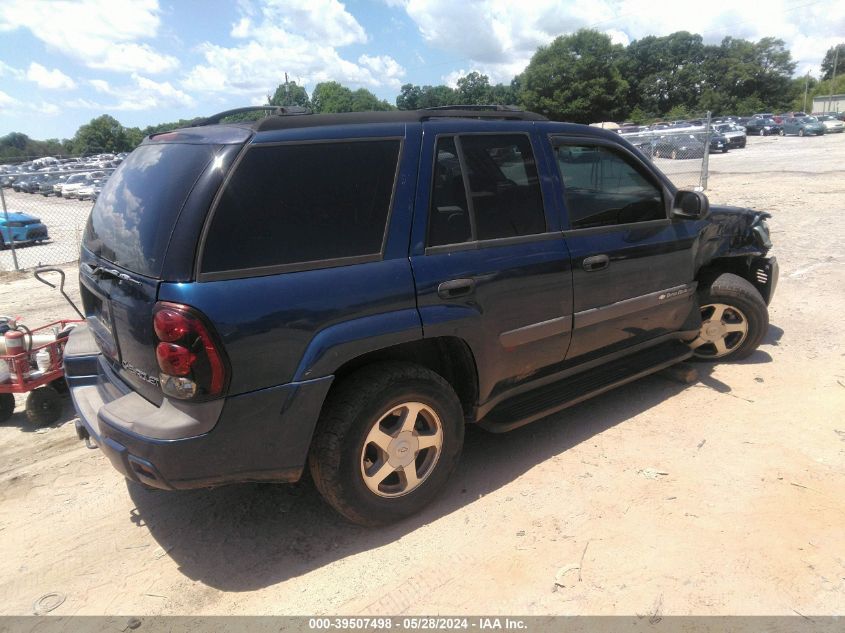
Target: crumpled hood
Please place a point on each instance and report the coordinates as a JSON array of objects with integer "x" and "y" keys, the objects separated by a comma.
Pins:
[{"x": 730, "y": 232}]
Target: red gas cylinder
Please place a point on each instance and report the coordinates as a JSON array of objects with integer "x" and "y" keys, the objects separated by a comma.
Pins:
[{"x": 15, "y": 345}]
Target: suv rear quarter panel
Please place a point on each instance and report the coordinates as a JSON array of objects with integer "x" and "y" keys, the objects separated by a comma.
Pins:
[{"x": 301, "y": 325}]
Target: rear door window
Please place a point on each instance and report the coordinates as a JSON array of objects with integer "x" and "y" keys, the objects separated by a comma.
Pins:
[
  {"x": 500, "y": 174},
  {"x": 303, "y": 205}
]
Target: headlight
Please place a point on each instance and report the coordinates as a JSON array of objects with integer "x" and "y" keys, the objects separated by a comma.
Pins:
[{"x": 761, "y": 234}]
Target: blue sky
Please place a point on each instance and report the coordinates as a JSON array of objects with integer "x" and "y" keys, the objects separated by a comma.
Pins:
[{"x": 64, "y": 62}]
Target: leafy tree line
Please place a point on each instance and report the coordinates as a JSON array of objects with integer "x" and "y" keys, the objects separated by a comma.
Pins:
[{"x": 582, "y": 77}]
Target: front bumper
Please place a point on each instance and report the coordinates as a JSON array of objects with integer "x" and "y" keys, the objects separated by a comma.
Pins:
[
  {"x": 764, "y": 275},
  {"x": 258, "y": 436}
]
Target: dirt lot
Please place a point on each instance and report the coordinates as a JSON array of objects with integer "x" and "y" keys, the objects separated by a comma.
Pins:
[{"x": 725, "y": 496}]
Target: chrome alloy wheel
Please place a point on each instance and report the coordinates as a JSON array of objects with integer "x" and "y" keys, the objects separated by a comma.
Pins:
[
  {"x": 723, "y": 329},
  {"x": 401, "y": 449}
]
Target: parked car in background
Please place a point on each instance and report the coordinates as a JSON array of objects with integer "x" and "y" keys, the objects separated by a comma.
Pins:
[
  {"x": 86, "y": 191},
  {"x": 72, "y": 184},
  {"x": 678, "y": 146},
  {"x": 762, "y": 126},
  {"x": 28, "y": 184},
  {"x": 47, "y": 187},
  {"x": 718, "y": 141},
  {"x": 21, "y": 228},
  {"x": 802, "y": 126},
  {"x": 831, "y": 123},
  {"x": 736, "y": 136}
]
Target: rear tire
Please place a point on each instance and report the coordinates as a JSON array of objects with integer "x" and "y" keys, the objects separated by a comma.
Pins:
[
  {"x": 43, "y": 406},
  {"x": 374, "y": 421},
  {"x": 734, "y": 320},
  {"x": 7, "y": 406}
]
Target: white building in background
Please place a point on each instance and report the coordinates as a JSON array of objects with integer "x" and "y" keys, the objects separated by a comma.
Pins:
[{"x": 828, "y": 103}]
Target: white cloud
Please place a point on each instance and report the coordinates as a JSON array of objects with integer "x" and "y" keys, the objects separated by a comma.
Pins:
[
  {"x": 9, "y": 71},
  {"x": 49, "y": 79},
  {"x": 98, "y": 33},
  {"x": 47, "y": 109},
  {"x": 388, "y": 69},
  {"x": 298, "y": 37},
  {"x": 6, "y": 100},
  {"x": 314, "y": 20},
  {"x": 143, "y": 94},
  {"x": 504, "y": 34}
]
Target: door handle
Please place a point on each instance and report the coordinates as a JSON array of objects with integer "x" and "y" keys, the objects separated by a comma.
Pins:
[
  {"x": 596, "y": 262},
  {"x": 455, "y": 288}
]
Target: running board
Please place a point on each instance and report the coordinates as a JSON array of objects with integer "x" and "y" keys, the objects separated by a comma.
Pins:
[{"x": 544, "y": 401}]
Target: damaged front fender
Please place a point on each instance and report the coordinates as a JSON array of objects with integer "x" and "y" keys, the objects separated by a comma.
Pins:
[{"x": 737, "y": 240}]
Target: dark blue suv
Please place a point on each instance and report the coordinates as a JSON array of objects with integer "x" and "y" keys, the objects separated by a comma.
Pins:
[{"x": 346, "y": 292}]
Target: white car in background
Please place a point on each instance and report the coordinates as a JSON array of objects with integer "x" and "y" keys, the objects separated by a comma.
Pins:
[
  {"x": 831, "y": 123},
  {"x": 71, "y": 186}
]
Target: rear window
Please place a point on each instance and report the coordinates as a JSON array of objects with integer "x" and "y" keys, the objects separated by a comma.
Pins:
[
  {"x": 134, "y": 216},
  {"x": 303, "y": 205}
]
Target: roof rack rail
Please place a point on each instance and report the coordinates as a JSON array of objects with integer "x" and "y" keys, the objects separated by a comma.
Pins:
[
  {"x": 492, "y": 107},
  {"x": 272, "y": 110},
  {"x": 507, "y": 112}
]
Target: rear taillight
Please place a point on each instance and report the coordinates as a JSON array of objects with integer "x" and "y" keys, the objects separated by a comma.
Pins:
[{"x": 190, "y": 359}]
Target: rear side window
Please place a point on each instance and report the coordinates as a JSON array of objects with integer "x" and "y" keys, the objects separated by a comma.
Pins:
[
  {"x": 133, "y": 218},
  {"x": 500, "y": 173},
  {"x": 289, "y": 205},
  {"x": 602, "y": 188}
]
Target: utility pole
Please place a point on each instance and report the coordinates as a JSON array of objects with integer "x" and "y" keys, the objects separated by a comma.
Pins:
[
  {"x": 833, "y": 80},
  {"x": 806, "y": 87}
]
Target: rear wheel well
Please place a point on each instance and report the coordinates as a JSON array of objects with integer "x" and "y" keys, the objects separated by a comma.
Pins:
[{"x": 450, "y": 357}]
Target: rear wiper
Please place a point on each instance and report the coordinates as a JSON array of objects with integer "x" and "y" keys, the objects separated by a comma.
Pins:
[{"x": 102, "y": 271}]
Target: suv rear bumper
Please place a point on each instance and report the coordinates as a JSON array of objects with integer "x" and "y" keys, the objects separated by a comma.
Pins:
[{"x": 259, "y": 436}]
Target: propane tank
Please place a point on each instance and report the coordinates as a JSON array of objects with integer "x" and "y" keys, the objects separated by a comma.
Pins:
[{"x": 15, "y": 345}]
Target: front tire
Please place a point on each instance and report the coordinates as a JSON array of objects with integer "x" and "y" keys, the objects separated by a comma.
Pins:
[
  {"x": 734, "y": 319},
  {"x": 801, "y": 132},
  {"x": 388, "y": 438}
]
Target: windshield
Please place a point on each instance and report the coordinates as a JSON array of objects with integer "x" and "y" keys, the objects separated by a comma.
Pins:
[{"x": 131, "y": 223}]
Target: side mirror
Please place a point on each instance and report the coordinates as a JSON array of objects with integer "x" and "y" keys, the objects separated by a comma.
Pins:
[{"x": 690, "y": 205}]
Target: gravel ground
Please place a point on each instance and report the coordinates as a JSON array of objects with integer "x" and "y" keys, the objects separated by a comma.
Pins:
[{"x": 726, "y": 496}]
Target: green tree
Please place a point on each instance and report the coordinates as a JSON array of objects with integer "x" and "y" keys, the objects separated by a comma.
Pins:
[
  {"x": 742, "y": 72},
  {"x": 473, "y": 89},
  {"x": 289, "y": 94},
  {"x": 576, "y": 78},
  {"x": 409, "y": 97},
  {"x": 417, "y": 97},
  {"x": 664, "y": 72},
  {"x": 103, "y": 134},
  {"x": 829, "y": 58},
  {"x": 330, "y": 96}
]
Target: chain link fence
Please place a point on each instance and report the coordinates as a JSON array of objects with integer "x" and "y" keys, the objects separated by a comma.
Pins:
[
  {"x": 681, "y": 149},
  {"x": 43, "y": 211}
]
